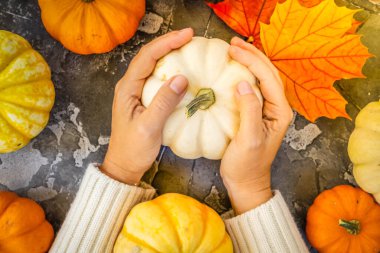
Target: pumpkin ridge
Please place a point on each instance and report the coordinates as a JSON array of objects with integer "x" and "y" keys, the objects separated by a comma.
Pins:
[
  {"x": 335, "y": 191},
  {"x": 125, "y": 8},
  {"x": 137, "y": 241},
  {"x": 221, "y": 125},
  {"x": 26, "y": 231},
  {"x": 30, "y": 228},
  {"x": 321, "y": 209},
  {"x": 225, "y": 238},
  {"x": 369, "y": 239},
  {"x": 32, "y": 80},
  {"x": 110, "y": 31},
  {"x": 12, "y": 127},
  {"x": 15, "y": 197},
  {"x": 323, "y": 248},
  {"x": 171, "y": 222},
  {"x": 28, "y": 108},
  {"x": 60, "y": 19},
  {"x": 13, "y": 58},
  {"x": 204, "y": 220},
  {"x": 2, "y": 114}
]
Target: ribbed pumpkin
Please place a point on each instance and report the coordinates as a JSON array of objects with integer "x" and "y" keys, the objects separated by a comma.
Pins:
[
  {"x": 173, "y": 223},
  {"x": 344, "y": 219},
  {"x": 207, "y": 118},
  {"x": 26, "y": 92},
  {"x": 23, "y": 227},
  {"x": 364, "y": 149},
  {"x": 91, "y": 26}
]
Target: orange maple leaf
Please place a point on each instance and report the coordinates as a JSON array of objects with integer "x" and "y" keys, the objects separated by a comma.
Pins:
[
  {"x": 311, "y": 49},
  {"x": 243, "y": 16}
]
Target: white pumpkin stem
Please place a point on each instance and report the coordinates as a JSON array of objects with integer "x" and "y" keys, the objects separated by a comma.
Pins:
[
  {"x": 352, "y": 226},
  {"x": 203, "y": 100}
]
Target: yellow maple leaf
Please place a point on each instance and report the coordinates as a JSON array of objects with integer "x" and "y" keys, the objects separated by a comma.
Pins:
[{"x": 311, "y": 49}]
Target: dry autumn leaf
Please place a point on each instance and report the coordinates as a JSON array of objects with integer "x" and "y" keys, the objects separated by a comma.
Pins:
[
  {"x": 244, "y": 16},
  {"x": 311, "y": 50}
]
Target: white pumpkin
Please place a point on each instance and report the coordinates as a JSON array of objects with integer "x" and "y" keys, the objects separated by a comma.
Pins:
[{"x": 207, "y": 118}]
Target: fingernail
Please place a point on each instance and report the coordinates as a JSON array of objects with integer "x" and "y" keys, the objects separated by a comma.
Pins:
[
  {"x": 178, "y": 84},
  {"x": 244, "y": 88}
]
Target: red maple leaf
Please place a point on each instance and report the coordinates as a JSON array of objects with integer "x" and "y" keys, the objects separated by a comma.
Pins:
[{"x": 244, "y": 16}]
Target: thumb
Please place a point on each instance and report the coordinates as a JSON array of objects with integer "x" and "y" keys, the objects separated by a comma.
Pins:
[
  {"x": 166, "y": 99},
  {"x": 250, "y": 110}
]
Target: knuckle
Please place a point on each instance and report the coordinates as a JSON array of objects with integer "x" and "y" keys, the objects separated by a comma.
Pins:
[
  {"x": 253, "y": 145},
  {"x": 144, "y": 131},
  {"x": 162, "y": 103},
  {"x": 252, "y": 104},
  {"x": 144, "y": 50},
  {"x": 288, "y": 116}
]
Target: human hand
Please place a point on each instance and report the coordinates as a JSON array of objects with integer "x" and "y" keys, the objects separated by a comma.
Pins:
[
  {"x": 136, "y": 134},
  {"x": 245, "y": 167}
]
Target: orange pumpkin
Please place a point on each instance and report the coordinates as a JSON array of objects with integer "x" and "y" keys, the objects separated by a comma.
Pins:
[
  {"x": 23, "y": 227},
  {"x": 91, "y": 26},
  {"x": 344, "y": 219}
]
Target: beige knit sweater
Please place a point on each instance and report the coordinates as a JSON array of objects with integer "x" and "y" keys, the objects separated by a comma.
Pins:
[{"x": 101, "y": 205}]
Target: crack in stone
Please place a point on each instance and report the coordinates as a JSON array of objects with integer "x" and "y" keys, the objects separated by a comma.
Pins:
[
  {"x": 208, "y": 24},
  {"x": 190, "y": 182}
]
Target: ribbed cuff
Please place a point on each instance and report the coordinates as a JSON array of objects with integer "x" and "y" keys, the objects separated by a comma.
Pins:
[
  {"x": 267, "y": 228},
  {"x": 97, "y": 214}
]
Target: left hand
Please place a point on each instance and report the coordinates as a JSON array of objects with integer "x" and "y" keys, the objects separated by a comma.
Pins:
[
  {"x": 245, "y": 167},
  {"x": 136, "y": 134}
]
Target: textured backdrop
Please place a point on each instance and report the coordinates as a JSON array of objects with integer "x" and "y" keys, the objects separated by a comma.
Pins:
[{"x": 313, "y": 157}]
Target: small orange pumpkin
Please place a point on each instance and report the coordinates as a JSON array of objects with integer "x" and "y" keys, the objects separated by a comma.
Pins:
[
  {"x": 344, "y": 219},
  {"x": 91, "y": 26},
  {"x": 23, "y": 227}
]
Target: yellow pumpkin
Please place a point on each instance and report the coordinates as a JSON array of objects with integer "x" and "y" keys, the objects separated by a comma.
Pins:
[
  {"x": 173, "y": 223},
  {"x": 26, "y": 92},
  {"x": 91, "y": 26},
  {"x": 364, "y": 149},
  {"x": 23, "y": 227}
]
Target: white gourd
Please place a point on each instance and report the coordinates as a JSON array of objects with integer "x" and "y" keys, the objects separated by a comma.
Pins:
[{"x": 205, "y": 126}]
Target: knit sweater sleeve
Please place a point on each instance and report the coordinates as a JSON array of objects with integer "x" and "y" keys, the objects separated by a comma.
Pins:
[
  {"x": 97, "y": 214},
  {"x": 266, "y": 229}
]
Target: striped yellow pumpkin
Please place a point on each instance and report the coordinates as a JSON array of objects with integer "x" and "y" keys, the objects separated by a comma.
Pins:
[
  {"x": 26, "y": 92},
  {"x": 173, "y": 223}
]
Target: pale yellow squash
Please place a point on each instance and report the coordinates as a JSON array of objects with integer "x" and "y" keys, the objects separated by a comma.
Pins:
[
  {"x": 173, "y": 223},
  {"x": 26, "y": 92},
  {"x": 364, "y": 149},
  {"x": 207, "y": 118}
]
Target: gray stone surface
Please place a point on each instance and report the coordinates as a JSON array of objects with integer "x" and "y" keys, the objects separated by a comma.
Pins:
[{"x": 49, "y": 170}]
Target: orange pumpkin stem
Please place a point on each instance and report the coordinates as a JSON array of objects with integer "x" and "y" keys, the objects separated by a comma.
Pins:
[
  {"x": 352, "y": 226},
  {"x": 250, "y": 39},
  {"x": 203, "y": 100},
  {"x": 88, "y": 1}
]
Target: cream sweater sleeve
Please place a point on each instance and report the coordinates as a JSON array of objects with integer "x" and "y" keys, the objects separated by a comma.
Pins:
[
  {"x": 97, "y": 214},
  {"x": 268, "y": 228}
]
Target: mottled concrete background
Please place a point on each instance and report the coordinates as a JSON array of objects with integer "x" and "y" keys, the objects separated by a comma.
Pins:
[{"x": 313, "y": 157}]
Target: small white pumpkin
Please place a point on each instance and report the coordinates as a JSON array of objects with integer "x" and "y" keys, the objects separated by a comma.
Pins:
[{"x": 207, "y": 118}]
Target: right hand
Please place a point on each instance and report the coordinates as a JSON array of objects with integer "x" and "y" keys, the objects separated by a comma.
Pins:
[
  {"x": 136, "y": 135},
  {"x": 245, "y": 167}
]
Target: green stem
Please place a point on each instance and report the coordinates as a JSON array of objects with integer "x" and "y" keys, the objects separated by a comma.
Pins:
[
  {"x": 203, "y": 100},
  {"x": 352, "y": 226}
]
